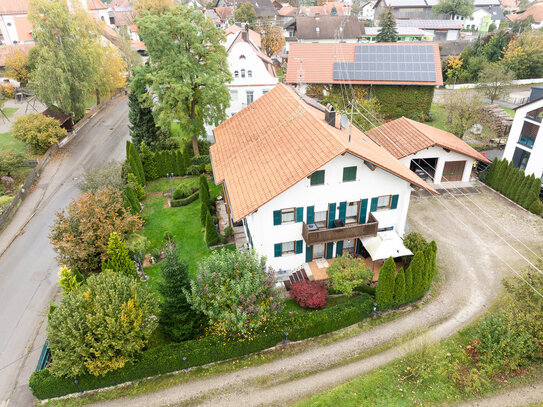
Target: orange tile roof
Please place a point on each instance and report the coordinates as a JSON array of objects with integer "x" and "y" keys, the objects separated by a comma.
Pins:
[
  {"x": 13, "y": 7},
  {"x": 403, "y": 137},
  {"x": 24, "y": 28},
  {"x": 253, "y": 35},
  {"x": 278, "y": 140},
  {"x": 96, "y": 5},
  {"x": 536, "y": 11},
  {"x": 314, "y": 62}
]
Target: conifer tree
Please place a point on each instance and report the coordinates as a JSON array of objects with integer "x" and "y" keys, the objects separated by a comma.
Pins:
[
  {"x": 148, "y": 161},
  {"x": 533, "y": 192},
  {"x": 409, "y": 285},
  {"x": 511, "y": 182},
  {"x": 204, "y": 190},
  {"x": 134, "y": 184},
  {"x": 177, "y": 319},
  {"x": 399, "y": 288},
  {"x": 180, "y": 163},
  {"x": 132, "y": 200},
  {"x": 204, "y": 209},
  {"x": 508, "y": 180},
  {"x": 518, "y": 183},
  {"x": 504, "y": 174},
  {"x": 118, "y": 259},
  {"x": 527, "y": 197},
  {"x": 142, "y": 123},
  {"x": 134, "y": 162},
  {"x": 388, "y": 32},
  {"x": 431, "y": 259},
  {"x": 212, "y": 236},
  {"x": 492, "y": 171},
  {"x": 384, "y": 293},
  {"x": 417, "y": 268},
  {"x": 186, "y": 157},
  {"x": 499, "y": 174}
]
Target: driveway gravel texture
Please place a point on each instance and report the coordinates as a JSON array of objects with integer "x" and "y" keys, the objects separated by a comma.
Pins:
[{"x": 471, "y": 275}]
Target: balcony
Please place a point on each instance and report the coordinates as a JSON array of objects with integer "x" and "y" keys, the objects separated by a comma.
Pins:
[{"x": 347, "y": 232}]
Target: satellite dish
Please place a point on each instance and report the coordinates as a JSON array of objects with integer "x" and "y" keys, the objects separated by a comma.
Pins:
[{"x": 344, "y": 121}]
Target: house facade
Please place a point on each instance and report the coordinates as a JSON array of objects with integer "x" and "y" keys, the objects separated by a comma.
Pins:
[
  {"x": 434, "y": 30},
  {"x": 305, "y": 186},
  {"x": 525, "y": 143}
]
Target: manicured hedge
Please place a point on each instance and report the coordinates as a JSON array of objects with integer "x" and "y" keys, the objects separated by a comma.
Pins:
[
  {"x": 169, "y": 358},
  {"x": 175, "y": 203},
  {"x": 410, "y": 101}
]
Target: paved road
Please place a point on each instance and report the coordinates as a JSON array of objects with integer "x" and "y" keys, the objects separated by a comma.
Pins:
[
  {"x": 28, "y": 270},
  {"x": 471, "y": 273}
]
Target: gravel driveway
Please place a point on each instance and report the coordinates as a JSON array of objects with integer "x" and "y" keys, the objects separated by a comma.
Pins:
[{"x": 471, "y": 275}]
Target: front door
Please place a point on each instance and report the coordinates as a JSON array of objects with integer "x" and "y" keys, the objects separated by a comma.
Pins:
[{"x": 453, "y": 171}]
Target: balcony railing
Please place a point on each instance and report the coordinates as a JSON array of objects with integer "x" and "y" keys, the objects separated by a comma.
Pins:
[{"x": 347, "y": 232}]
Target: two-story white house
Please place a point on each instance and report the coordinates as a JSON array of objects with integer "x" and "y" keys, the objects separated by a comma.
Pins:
[
  {"x": 525, "y": 143},
  {"x": 253, "y": 71},
  {"x": 306, "y": 187}
]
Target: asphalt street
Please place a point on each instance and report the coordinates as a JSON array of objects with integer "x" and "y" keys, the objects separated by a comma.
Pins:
[{"x": 28, "y": 269}]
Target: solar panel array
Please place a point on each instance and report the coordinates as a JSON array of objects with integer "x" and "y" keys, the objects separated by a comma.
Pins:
[{"x": 376, "y": 62}]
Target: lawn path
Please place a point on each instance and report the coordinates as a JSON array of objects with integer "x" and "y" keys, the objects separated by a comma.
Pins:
[{"x": 471, "y": 276}]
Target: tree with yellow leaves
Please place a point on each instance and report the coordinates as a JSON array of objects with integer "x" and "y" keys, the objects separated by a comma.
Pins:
[
  {"x": 17, "y": 66},
  {"x": 272, "y": 40},
  {"x": 454, "y": 65},
  {"x": 113, "y": 71},
  {"x": 152, "y": 6}
]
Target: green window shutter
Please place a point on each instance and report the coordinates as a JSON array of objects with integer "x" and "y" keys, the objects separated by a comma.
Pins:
[
  {"x": 317, "y": 178},
  {"x": 276, "y": 218},
  {"x": 363, "y": 210},
  {"x": 299, "y": 214},
  {"x": 339, "y": 248},
  {"x": 329, "y": 250},
  {"x": 373, "y": 207},
  {"x": 299, "y": 246},
  {"x": 342, "y": 210},
  {"x": 349, "y": 174},
  {"x": 331, "y": 214},
  {"x": 308, "y": 254},
  {"x": 394, "y": 203},
  {"x": 310, "y": 215},
  {"x": 277, "y": 249}
]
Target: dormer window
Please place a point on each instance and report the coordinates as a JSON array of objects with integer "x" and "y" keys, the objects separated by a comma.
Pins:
[
  {"x": 236, "y": 74},
  {"x": 242, "y": 57},
  {"x": 249, "y": 74},
  {"x": 243, "y": 73}
]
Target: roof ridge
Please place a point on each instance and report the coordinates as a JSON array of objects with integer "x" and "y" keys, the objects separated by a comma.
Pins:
[{"x": 410, "y": 122}]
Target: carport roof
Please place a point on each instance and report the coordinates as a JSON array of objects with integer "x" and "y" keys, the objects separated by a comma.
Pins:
[{"x": 404, "y": 137}]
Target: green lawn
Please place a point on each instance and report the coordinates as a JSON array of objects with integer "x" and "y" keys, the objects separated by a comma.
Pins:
[
  {"x": 182, "y": 222},
  {"x": 9, "y": 111},
  {"x": 439, "y": 117},
  {"x": 8, "y": 143},
  {"x": 509, "y": 110}
]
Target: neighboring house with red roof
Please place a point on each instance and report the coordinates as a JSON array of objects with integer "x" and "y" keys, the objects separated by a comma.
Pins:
[
  {"x": 99, "y": 11},
  {"x": 435, "y": 155},
  {"x": 535, "y": 11},
  {"x": 252, "y": 71},
  {"x": 306, "y": 188},
  {"x": 14, "y": 25}
]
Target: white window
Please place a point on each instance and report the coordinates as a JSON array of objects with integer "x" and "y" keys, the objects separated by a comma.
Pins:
[
  {"x": 243, "y": 73},
  {"x": 287, "y": 248},
  {"x": 351, "y": 214},
  {"x": 348, "y": 246},
  {"x": 318, "y": 251},
  {"x": 320, "y": 218},
  {"x": 236, "y": 74},
  {"x": 249, "y": 74},
  {"x": 383, "y": 202},
  {"x": 234, "y": 95},
  {"x": 288, "y": 215},
  {"x": 250, "y": 97}
]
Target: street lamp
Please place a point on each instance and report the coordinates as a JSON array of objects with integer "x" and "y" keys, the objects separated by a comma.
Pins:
[
  {"x": 170, "y": 176},
  {"x": 139, "y": 265},
  {"x": 78, "y": 386}
]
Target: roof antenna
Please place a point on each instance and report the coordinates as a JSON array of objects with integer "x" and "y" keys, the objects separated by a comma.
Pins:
[
  {"x": 351, "y": 121},
  {"x": 300, "y": 77}
]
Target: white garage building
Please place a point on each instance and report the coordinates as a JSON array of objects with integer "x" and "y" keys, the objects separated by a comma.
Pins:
[{"x": 435, "y": 155}]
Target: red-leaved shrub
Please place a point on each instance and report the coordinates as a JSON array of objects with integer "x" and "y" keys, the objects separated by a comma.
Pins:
[{"x": 309, "y": 294}]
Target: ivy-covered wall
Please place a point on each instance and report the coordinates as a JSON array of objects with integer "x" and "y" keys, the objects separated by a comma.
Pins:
[{"x": 410, "y": 101}]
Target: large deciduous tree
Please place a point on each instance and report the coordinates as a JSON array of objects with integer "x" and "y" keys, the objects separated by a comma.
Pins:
[
  {"x": 464, "y": 110},
  {"x": 524, "y": 56},
  {"x": 101, "y": 325},
  {"x": 68, "y": 55},
  {"x": 188, "y": 69},
  {"x": 152, "y": 6},
  {"x": 80, "y": 235},
  {"x": 494, "y": 80},
  {"x": 272, "y": 40},
  {"x": 245, "y": 13},
  {"x": 463, "y": 8},
  {"x": 38, "y": 131},
  {"x": 346, "y": 273},
  {"x": 16, "y": 66},
  {"x": 388, "y": 32}
]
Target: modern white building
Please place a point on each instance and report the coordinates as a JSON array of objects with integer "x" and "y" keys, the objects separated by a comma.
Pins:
[
  {"x": 434, "y": 155},
  {"x": 253, "y": 72},
  {"x": 306, "y": 187},
  {"x": 367, "y": 11},
  {"x": 525, "y": 143},
  {"x": 482, "y": 18}
]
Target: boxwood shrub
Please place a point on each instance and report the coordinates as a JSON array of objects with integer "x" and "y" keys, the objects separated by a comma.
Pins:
[
  {"x": 175, "y": 203},
  {"x": 169, "y": 358}
]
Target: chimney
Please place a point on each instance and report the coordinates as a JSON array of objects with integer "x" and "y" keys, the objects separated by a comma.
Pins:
[
  {"x": 330, "y": 115},
  {"x": 245, "y": 33}
]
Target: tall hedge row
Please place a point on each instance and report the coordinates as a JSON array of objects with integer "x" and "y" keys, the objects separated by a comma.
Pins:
[
  {"x": 397, "y": 288},
  {"x": 169, "y": 358},
  {"x": 516, "y": 185},
  {"x": 169, "y": 162}
]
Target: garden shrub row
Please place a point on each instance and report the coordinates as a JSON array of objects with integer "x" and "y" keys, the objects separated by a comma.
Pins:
[
  {"x": 169, "y": 358},
  {"x": 175, "y": 203},
  {"x": 514, "y": 184}
]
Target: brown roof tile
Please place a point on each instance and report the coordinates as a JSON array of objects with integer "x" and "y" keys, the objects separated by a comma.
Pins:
[
  {"x": 278, "y": 140},
  {"x": 315, "y": 62},
  {"x": 536, "y": 11},
  {"x": 403, "y": 137}
]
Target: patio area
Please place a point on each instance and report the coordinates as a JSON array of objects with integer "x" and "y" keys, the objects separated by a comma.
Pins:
[{"x": 316, "y": 270}]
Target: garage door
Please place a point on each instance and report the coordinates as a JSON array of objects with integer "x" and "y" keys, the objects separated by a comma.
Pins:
[{"x": 453, "y": 171}]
